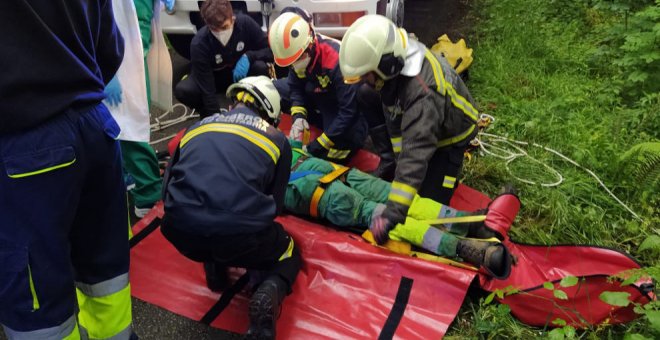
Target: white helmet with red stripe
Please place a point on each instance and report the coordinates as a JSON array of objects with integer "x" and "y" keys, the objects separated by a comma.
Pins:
[{"x": 289, "y": 36}]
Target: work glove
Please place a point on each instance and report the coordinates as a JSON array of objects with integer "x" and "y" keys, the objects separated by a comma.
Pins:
[
  {"x": 316, "y": 149},
  {"x": 380, "y": 228},
  {"x": 298, "y": 129},
  {"x": 113, "y": 92},
  {"x": 242, "y": 67},
  {"x": 169, "y": 5}
]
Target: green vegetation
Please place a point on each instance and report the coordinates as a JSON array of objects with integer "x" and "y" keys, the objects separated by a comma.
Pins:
[{"x": 581, "y": 77}]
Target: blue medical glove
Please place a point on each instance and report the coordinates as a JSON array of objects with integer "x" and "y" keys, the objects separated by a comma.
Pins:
[
  {"x": 169, "y": 5},
  {"x": 242, "y": 67},
  {"x": 113, "y": 92}
]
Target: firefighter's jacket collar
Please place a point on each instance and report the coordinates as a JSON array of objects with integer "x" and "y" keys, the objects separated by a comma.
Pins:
[{"x": 414, "y": 58}]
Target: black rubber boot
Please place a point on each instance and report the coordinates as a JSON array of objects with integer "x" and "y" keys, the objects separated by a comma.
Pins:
[
  {"x": 265, "y": 308},
  {"x": 383, "y": 146},
  {"x": 217, "y": 278},
  {"x": 479, "y": 229},
  {"x": 492, "y": 256}
]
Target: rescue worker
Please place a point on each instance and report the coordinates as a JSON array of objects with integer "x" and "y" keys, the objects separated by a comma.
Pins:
[
  {"x": 351, "y": 198},
  {"x": 315, "y": 85},
  {"x": 63, "y": 234},
  {"x": 223, "y": 190},
  {"x": 128, "y": 98},
  {"x": 430, "y": 113},
  {"x": 229, "y": 48}
]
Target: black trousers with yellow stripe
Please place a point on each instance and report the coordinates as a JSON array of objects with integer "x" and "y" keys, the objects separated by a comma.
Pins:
[
  {"x": 270, "y": 250},
  {"x": 442, "y": 174}
]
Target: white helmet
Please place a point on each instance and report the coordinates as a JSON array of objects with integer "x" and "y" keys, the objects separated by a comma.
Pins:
[
  {"x": 372, "y": 43},
  {"x": 288, "y": 37},
  {"x": 262, "y": 90}
]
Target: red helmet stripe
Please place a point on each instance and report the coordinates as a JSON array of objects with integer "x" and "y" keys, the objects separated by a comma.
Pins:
[
  {"x": 287, "y": 31},
  {"x": 289, "y": 60}
]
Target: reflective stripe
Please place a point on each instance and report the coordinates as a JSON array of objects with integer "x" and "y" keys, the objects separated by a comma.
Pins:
[
  {"x": 459, "y": 101},
  {"x": 252, "y": 136},
  {"x": 325, "y": 142},
  {"x": 59, "y": 166},
  {"x": 298, "y": 109},
  {"x": 456, "y": 139},
  {"x": 446, "y": 211},
  {"x": 449, "y": 182},
  {"x": 338, "y": 154},
  {"x": 66, "y": 330},
  {"x": 462, "y": 103},
  {"x": 437, "y": 72},
  {"x": 104, "y": 288},
  {"x": 431, "y": 240},
  {"x": 35, "y": 300},
  {"x": 397, "y": 143},
  {"x": 289, "y": 250},
  {"x": 75, "y": 334},
  {"x": 402, "y": 193},
  {"x": 123, "y": 335},
  {"x": 106, "y": 317}
]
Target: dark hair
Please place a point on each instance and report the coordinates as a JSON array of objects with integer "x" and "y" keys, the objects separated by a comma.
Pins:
[
  {"x": 301, "y": 12},
  {"x": 216, "y": 12}
]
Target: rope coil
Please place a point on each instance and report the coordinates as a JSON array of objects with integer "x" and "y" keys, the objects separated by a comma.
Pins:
[{"x": 515, "y": 151}]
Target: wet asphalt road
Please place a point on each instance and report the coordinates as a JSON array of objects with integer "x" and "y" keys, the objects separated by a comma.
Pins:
[{"x": 428, "y": 19}]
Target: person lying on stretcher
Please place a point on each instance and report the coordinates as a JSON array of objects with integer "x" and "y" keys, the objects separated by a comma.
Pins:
[{"x": 349, "y": 198}]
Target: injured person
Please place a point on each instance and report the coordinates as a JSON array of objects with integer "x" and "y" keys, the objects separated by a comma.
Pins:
[{"x": 350, "y": 198}]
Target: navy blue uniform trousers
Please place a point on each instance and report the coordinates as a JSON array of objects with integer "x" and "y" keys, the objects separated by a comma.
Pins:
[{"x": 63, "y": 218}]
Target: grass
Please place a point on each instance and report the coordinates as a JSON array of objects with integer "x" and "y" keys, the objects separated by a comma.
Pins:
[{"x": 534, "y": 72}]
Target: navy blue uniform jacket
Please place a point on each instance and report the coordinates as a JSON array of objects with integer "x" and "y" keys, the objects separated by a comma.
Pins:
[
  {"x": 55, "y": 56},
  {"x": 207, "y": 54},
  {"x": 229, "y": 176}
]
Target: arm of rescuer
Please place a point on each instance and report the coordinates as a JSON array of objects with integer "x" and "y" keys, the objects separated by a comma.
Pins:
[
  {"x": 282, "y": 173},
  {"x": 419, "y": 128},
  {"x": 297, "y": 95},
  {"x": 110, "y": 47},
  {"x": 258, "y": 44},
  {"x": 347, "y": 114}
]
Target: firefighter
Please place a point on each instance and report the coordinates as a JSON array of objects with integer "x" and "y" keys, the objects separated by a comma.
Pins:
[
  {"x": 229, "y": 48},
  {"x": 351, "y": 198},
  {"x": 63, "y": 235},
  {"x": 315, "y": 89},
  {"x": 222, "y": 191},
  {"x": 430, "y": 113}
]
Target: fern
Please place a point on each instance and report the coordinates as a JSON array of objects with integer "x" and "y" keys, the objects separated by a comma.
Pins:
[{"x": 644, "y": 159}]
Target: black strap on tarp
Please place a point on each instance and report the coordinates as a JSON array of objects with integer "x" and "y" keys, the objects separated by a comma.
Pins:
[
  {"x": 225, "y": 299},
  {"x": 399, "y": 307},
  {"x": 145, "y": 232}
]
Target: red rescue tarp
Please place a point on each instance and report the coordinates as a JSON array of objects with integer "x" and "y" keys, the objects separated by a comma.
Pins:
[
  {"x": 346, "y": 289},
  {"x": 350, "y": 289}
]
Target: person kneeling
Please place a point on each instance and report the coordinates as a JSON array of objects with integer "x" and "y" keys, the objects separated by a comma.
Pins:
[{"x": 222, "y": 191}]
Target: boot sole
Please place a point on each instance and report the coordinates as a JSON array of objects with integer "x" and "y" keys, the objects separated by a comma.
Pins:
[{"x": 262, "y": 317}]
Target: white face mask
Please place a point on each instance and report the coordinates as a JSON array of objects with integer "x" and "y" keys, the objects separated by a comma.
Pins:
[
  {"x": 223, "y": 36},
  {"x": 301, "y": 64}
]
